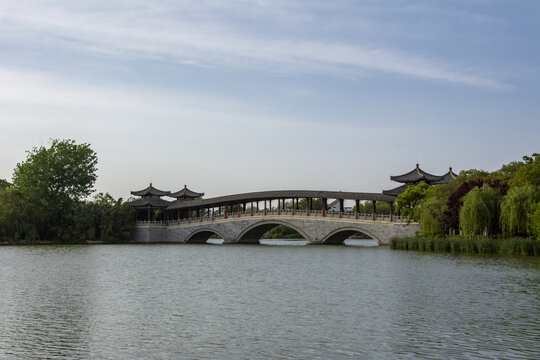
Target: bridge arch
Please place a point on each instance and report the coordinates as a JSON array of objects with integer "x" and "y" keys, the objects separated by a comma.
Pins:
[
  {"x": 201, "y": 236},
  {"x": 253, "y": 233},
  {"x": 338, "y": 236}
]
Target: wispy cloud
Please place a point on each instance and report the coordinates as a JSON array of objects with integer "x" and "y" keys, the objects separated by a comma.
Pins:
[{"x": 199, "y": 36}]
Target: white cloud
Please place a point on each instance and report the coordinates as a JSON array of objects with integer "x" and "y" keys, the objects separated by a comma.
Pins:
[
  {"x": 200, "y": 36},
  {"x": 174, "y": 137}
]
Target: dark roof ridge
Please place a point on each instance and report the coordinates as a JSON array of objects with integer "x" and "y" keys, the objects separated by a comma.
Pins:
[
  {"x": 278, "y": 194},
  {"x": 186, "y": 193},
  {"x": 150, "y": 191},
  {"x": 416, "y": 175}
]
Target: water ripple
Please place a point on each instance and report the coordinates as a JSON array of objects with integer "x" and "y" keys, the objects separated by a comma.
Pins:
[{"x": 264, "y": 302}]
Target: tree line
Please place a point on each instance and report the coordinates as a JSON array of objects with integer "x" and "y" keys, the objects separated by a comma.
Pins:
[
  {"x": 478, "y": 203},
  {"x": 47, "y": 200}
]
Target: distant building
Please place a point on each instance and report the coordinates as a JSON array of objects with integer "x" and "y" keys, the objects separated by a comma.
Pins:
[{"x": 414, "y": 177}]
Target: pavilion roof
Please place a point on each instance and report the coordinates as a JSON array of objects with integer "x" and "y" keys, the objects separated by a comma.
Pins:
[
  {"x": 150, "y": 202},
  {"x": 277, "y": 194},
  {"x": 396, "y": 191},
  {"x": 186, "y": 193},
  {"x": 150, "y": 191},
  {"x": 416, "y": 175},
  {"x": 446, "y": 178}
]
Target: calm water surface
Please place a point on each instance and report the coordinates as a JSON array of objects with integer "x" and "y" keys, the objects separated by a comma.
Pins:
[{"x": 264, "y": 302}]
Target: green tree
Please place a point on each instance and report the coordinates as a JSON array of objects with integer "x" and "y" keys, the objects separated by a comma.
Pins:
[
  {"x": 528, "y": 174},
  {"x": 432, "y": 208},
  {"x": 316, "y": 204},
  {"x": 4, "y": 184},
  {"x": 381, "y": 207},
  {"x": 517, "y": 209},
  {"x": 479, "y": 212},
  {"x": 407, "y": 202},
  {"x": 16, "y": 218},
  {"x": 431, "y": 216},
  {"x": 507, "y": 171},
  {"x": 53, "y": 179},
  {"x": 535, "y": 222}
]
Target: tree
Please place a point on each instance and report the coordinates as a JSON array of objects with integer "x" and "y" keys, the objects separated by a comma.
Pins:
[
  {"x": 381, "y": 207},
  {"x": 431, "y": 216},
  {"x": 316, "y": 204},
  {"x": 528, "y": 174},
  {"x": 507, "y": 171},
  {"x": 53, "y": 179},
  {"x": 409, "y": 199},
  {"x": 4, "y": 184},
  {"x": 456, "y": 198},
  {"x": 16, "y": 218},
  {"x": 535, "y": 222},
  {"x": 517, "y": 209},
  {"x": 479, "y": 212}
]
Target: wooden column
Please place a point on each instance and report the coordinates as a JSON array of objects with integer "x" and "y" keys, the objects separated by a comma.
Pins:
[
  {"x": 357, "y": 206},
  {"x": 373, "y": 212},
  {"x": 200, "y": 214},
  {"x": 279, "y": 206},
  {"x": 238, "y": 209},
  {"x": 148, "y": 214},
  {"x": 213, "y": 215},
  {"x": 225, "y": 214},
  {"x": 308, "y": 206},
  {"x": 340, "y": 208},
  {"x": 251, "y": 208},
  {"x": 265, "y": 207},
  {"x": 324, "y": 207},
  {"x": 292, "y": 209},
  {"x": 391, "y": 210}
]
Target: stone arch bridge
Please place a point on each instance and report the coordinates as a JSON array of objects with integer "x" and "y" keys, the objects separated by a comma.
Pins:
[
  {"x": 245, "y": 218},
  {"x": 249, "y": 230}
]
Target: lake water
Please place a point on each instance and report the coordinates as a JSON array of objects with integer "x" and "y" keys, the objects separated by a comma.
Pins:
[{"x": 264, "y": 302}]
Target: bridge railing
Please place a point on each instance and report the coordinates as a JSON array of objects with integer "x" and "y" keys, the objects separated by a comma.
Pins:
[{"x": 209, "y": 217}]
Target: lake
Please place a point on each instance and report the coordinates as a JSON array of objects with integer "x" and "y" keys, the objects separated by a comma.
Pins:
[{"x": 181, "y": 301}]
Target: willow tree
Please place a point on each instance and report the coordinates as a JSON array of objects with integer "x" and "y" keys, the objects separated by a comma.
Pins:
[
  {"x": 517, "y": 209},
  {"x": 535, "y": 222},
  {"x": 431, "y": 212},
  {"x": 479, "y": 212}
]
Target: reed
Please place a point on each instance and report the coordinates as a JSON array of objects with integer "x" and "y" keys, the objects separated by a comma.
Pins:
[{"x": 469, "y": 245}]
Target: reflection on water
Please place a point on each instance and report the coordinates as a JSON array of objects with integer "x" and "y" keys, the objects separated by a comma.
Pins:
[
  {"x": 252, "y": 302},
  {"x": 300, "y": 242}
]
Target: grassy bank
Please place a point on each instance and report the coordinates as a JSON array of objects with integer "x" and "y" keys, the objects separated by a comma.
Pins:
[{"x": 463, "y": 245}]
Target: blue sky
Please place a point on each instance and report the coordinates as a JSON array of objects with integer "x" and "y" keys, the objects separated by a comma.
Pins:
[{"x": 241, "y": 96}]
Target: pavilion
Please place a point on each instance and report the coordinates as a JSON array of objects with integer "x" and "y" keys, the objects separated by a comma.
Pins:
[
  {"x": 414, "y": 177},
  {"x": 149, "y": 202}
]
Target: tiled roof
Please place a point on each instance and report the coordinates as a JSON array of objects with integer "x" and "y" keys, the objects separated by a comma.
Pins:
[
  {"x": 277, "y": 194},
  {"x": 150, "y": 202},
  {"x": 415, "y": 176},
  {"x": 396, "y": 191},
  {"x": 186, "y": 193},
  {"x": 446, "y": 178},
  {"x": 150, "y": 191}
]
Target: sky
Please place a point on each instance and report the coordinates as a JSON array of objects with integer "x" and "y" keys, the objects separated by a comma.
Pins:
[{"x": 238, "y": 96}]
